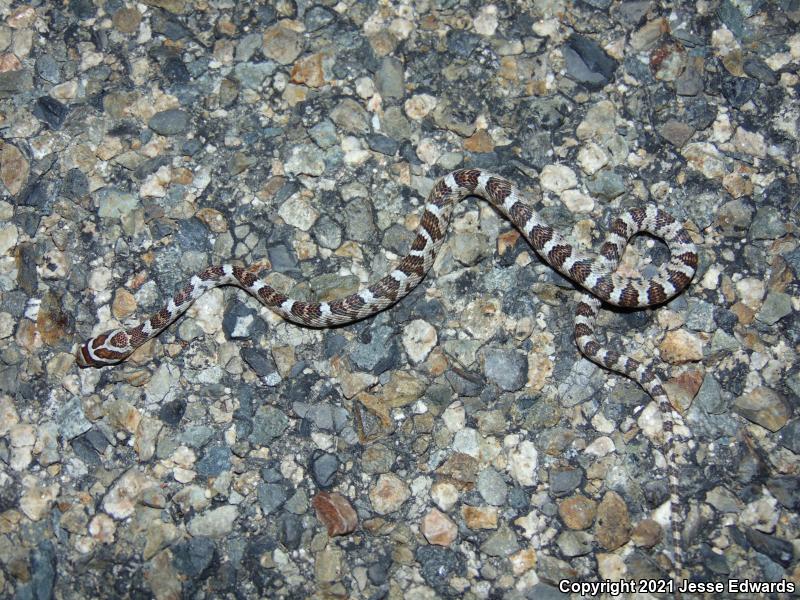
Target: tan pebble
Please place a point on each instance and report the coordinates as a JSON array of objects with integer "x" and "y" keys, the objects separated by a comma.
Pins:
[
  {"x": 102, "y": 528},
  {"x": 388, "y": 494},
  {"x": 124, "y": 304},
  {"x": 438, "y": 528},
  {"x": 613, "y": 522},
  {"x": 308, "y": 70},
  {"x": 126, "y": 20},
  {"x": 764, "y": 406},
  {"x": 480, "y": 141},
  {"x": 213, "y": 219},
  {"x": 14, "y": 168},
  {"x": 523, "y": 561},
  {"x": 444, "y": 494},
  {"x": 9, "y": 62},
  {"x": 282, "y": 44},
  {"x": 647, "y": 533},
  {"x": 22, "y": 17},
  {"x": 480, "y": 517},
  {"x": 681, "y": 346},
  {"x": 578, "y": 512}
]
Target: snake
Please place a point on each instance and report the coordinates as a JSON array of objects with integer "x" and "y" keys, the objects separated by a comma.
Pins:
[{"x": 594, "y": 273}]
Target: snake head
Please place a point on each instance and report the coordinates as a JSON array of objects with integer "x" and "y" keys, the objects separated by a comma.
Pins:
[{"x": 106, "y": 349}]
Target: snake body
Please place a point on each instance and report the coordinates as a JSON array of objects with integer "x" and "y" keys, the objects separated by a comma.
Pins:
[{"x": 595, "y": 273}]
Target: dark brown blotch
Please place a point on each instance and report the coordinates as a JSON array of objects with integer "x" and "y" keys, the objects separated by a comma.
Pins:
[
  {"x": 412, "y": 265},
  {"x": 629, "y": 296},
  {"x": 520, "y": 214},
  {"x": 338, "y": 308},
  {"x": 619, "y": 227},
  {"x": 591, "y": 348},
  {"x": 137, "y": 336},
  {"x": 299, "y": 309},
  {"x": 430, "y": 223},
  {"x": 120, "y": 339},
  {"x": 499, "y": 189},
  {"x": 107, "y": 354},
  {"x": 689, "y": 259},
  {"x": 663, "y": 219},
  {"x": 656, "y": 293},
  {"x": 559, "y": 254},
  {"x": 638, "y": 215},
  {"x": 610, "y": 251},
  {"x": 603, "y": 288},
  {"x": 213, "y": 272},
  {"x": 99, "y": 341},
  {"x": 419, "y": 242},
  {"x": 679, "y": 279},
  {"x": 247, "y": 279},
  {"x": 467, "y": 178},
  {"x": 540, "y": 235},
  {"x": 182, "y": 296},
  {"x": 581, "y": 270},
  {"x": 440, "y": 193},
  {"x": 354, "y": 302}
]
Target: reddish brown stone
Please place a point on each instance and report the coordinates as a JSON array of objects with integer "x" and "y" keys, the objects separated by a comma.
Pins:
[{"x": 335, "y": 512}]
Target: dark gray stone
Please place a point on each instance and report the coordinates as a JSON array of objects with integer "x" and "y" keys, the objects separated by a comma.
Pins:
[
  {"x": 214, "y": 461},
  {"x": 84, "y": 450},
  {"x": 606, "y": 184},
  {"x": 565, "y": 481},
  {"x": 169, "y": 122},
  {"x": 324, "y": 467},
  {"x": 379, "y": 353},
  {"x": 786, "y": 490},
  {"x": 290, "y": 530},
  {"x": 172, "y": 412},
  {"x": 383, "y": 144},
  {"x": 241, "y": 322},
  {"x": 51, "y": 111},
  {"x": 790, "y": 436},
  {"x": 378, "y": 572},
  {"x": 587, "y": 63},
  {"x": 271, "y": 496},
  {"x": 269, "y": 423},
  {"x": 196, "y": 436},
  {"x": 756, "y": 68},
  {"x": 779, "y": 550},
  {"x": 71, "y": 420},
  {"x": 47, "y": 68},
  {"x": 492, "y": 487},
  {"x": 439, "y": 565},
  {"x": 13, "y": 83},
  {"x": 192, "y": 234},
  {"x": 465, "y": 383},
  {"x": 738, "y": 90},
  {"x": 461, "y": 42},
  {"x": 261, "y": 362},
  {"x": 389, "y": 79},
  {"x": 76, "y": 184},
  {"x": 44, "y": 564},
  {"x": 193, "y": 556}
]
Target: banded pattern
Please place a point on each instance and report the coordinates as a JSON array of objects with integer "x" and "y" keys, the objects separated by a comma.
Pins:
[{"x": 595, "y": 273}]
